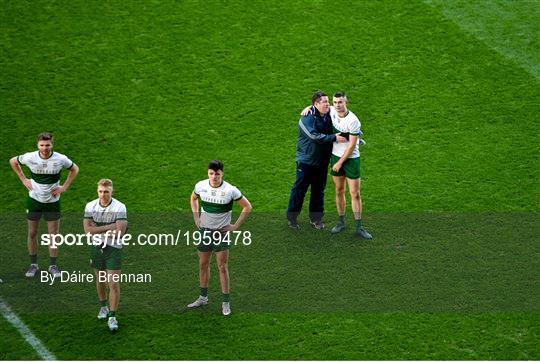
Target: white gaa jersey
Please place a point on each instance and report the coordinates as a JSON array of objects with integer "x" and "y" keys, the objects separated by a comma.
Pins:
[
  {"x": 105, "y": 215},
  {"x": 216, "y": 203},
  {"x": 349, "y": 124},
  {"x": 44, "y": 174}
]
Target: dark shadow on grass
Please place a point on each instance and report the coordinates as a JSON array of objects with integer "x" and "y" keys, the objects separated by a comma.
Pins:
[{"x": 417, "y": 262}]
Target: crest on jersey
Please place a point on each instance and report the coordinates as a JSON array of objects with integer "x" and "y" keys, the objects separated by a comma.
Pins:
[{"x": 213, "y": 192}]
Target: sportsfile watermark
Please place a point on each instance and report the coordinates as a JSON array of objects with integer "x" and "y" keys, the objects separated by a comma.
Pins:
[{"x": 111, "y": 237}]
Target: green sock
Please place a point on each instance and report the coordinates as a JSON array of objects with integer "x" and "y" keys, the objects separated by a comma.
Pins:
[
  {"x": 358, "y": 223},
  {"x": 341, "y": 219},
  {"x": 226, "y": 297},
  {"x": 103, "y": 303},
  {"x": 204, "y": 292},
  {"x": 111, "y": 313},
  {"x": 52, "y": 260},
  {"x": 33, "y": 259}
]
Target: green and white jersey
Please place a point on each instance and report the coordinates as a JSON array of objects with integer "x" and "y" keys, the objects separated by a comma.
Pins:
[
  {"x": 350, "y": 124},
  {"x": 105, "y": 215},
  {"x": 44, "y": 174},
  {"x": 216, "y": 203}
]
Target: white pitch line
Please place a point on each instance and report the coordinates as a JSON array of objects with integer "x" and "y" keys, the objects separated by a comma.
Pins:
[{"x": 27, "y": 334}]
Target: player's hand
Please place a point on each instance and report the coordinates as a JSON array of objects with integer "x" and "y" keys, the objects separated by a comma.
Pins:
[
  {"x": 198, "y": 223},
  {"x": 340, "y": 139},
  {"x": 28, "y": 184},
  {"x": 229, "y": 227},
  {"x": 57, "y": 191},
  {"x": 336, "y": 167},
  {"x": 306, "y": 111}
]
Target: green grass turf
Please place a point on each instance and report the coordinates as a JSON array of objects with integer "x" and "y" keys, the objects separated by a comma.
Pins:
[
  {"x": 147, "y": 93},
  {"x": 442, "y": 270},
  {"x": 314, "y": 336},
  {"x": 442, "y": 124},
  {"x": 12, "y": 344},
  {"x": 512, "y": 30}
]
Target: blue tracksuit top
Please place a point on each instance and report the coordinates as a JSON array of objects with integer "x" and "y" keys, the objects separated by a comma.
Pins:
[{"x": 315, "y": 138}]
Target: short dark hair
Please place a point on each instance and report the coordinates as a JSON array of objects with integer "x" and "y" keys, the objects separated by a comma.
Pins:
[
  {"x": 340, "y": 94},
  {"x": 45, "y": 136},
  {"x": 215, "y": 165},
  {"x": 317, "y": 96}
]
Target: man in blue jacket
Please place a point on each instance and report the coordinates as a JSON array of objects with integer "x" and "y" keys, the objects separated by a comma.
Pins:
[{"x": 313, "y": 149}]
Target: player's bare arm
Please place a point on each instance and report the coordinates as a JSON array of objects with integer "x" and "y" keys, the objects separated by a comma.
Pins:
[
  {"x": 246, "y": 209},
  {"x": 18, "y": 170},
  {"x": 90, "y": 227},
  {"x": 194, "y": 202},
  {"x": 121, "y": 227},
  {"x": 73, "y": 171}
]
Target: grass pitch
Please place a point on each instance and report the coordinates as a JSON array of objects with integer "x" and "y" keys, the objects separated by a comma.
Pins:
[{"x": 147, "y": 93}]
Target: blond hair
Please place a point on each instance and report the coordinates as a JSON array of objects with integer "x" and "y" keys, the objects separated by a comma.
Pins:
[{"x": 105, "y": 182}]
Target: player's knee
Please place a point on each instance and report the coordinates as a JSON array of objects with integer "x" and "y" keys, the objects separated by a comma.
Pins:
[
  {"x": 203, "y": 266},
  {"x": 355, "y": 194},
  {"x": 340, "y": 191},
  {"x": 114, "y": 287},
  {"x": 223, "y": 267},
  {"x": 32, "y": 234}
]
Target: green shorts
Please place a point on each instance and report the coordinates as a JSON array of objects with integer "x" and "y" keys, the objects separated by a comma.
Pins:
[
  {"x": 107, "y": 258},
  {"x": 349, "y": 169},
  {"x": 213, "y": 240},
  {"x": 35, "y": 209}
]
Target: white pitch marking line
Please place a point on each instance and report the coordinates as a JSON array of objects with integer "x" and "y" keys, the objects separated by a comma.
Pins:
[{"x": 27, "y": 334}]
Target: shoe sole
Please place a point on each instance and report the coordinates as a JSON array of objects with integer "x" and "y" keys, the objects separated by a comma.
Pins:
[{"x": 196, "y": 306}]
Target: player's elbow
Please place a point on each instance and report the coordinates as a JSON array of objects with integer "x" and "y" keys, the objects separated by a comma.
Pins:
[{"x": 122, "y": 226}]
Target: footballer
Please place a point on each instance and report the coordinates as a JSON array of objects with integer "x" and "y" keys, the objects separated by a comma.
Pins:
[
  {"x": 211, "y": 203},
  {"x": 44, "y": 192}
]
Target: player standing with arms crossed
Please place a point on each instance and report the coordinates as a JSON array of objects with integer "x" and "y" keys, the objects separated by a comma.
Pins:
[{"x": 105, "y": 219}]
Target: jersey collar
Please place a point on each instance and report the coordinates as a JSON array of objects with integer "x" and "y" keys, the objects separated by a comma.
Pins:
[
  {"x": 109, "y": 204},
  {"x": 217, "y": 187},
  {"x": 39, "y": 155}
]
